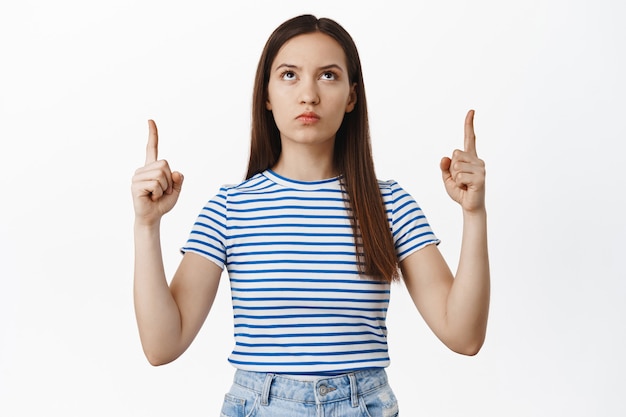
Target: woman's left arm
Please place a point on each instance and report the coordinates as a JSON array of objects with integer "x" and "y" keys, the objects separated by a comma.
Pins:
[{"x": 456, "y": 307}]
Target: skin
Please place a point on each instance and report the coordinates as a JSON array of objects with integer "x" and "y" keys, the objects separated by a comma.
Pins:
[
  {"x": 313, "y": 83},
  {"x": 456, "y": 307},
  {"x": 168, "y": 317},
  {"x": 309, "y": 77}
]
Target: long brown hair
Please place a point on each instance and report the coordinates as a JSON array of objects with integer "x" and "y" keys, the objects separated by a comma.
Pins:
[{"x": 352, "y": 154}]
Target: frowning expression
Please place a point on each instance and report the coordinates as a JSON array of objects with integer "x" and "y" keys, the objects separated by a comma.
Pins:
[{"x": 309, "y": 90}]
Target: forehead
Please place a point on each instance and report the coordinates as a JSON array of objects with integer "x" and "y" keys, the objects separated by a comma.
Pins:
[{"x": 316, "y": 49}]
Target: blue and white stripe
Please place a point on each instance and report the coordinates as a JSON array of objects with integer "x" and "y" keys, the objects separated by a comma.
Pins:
[{"x": 299, "y": 303}]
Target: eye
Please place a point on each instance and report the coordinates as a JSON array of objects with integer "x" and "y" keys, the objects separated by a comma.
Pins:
[
  {"x": 329, "y": 75},
  {"x": 288, "y": 75}
]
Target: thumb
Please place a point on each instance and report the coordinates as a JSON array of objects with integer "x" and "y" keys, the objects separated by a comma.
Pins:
[
  {"x": 444, "y": 165},
  {"x": 177, "y": 179}
]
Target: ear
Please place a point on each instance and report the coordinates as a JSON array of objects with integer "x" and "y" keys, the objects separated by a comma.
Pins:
[
  {"x": 351, "y": 99},
  {"x": 268, "y": 105}
]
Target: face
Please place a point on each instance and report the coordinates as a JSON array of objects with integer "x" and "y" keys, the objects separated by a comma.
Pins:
[{"x": 309, "y": 91}]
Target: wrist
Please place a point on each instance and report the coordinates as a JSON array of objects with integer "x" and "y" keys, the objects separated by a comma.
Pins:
[
  {"x": 475, "y": 214},
  {"x": 147, "y": 226}
]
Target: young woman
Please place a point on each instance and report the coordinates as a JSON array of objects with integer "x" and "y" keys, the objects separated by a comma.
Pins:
[{"x": 311, "y": 241}]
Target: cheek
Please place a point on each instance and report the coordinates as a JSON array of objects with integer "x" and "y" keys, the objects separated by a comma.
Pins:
[
  {"x": 338, "y": 117},
  {"x": 342, "y": 106},
  {"x": 277, "y": 100}
]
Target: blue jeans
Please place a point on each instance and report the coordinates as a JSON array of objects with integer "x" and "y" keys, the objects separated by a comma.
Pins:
[{"x": 359, "y": 394}]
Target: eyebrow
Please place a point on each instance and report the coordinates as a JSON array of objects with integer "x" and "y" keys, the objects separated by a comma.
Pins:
[{"x": 323, "y": 68}]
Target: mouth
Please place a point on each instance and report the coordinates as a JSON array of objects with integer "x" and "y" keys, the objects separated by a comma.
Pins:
[{"x": 308, "y": 117}]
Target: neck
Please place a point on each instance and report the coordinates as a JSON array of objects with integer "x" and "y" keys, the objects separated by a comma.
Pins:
[{"x": 310, "y": 165}]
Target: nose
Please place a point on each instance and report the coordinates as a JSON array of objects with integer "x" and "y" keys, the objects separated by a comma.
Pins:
[{"x": 309, "y": 93}]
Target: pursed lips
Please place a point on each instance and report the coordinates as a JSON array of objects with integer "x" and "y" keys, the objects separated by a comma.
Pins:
[{"x": 308, "y": 117}]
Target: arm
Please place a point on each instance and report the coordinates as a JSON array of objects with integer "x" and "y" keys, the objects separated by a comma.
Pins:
[
  {"x": 168, "y": 316},
  {"x": 456, "y": 307}
]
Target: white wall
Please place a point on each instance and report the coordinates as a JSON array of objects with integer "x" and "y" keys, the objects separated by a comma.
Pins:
[{"x": 78, "y": 80}]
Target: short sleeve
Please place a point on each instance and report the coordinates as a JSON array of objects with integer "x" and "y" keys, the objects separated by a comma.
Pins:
[
  {"x": 409, "y": 225},
  {"x": 208, "y": 234}
]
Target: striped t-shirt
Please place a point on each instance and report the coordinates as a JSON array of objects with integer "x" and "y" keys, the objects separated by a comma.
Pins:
[{"x": 299, "y": 304}]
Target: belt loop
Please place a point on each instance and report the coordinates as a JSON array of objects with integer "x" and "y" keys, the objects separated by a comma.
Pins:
[
  {"x": 353, "y": 390},
  {"x": 265, "y": 395}
]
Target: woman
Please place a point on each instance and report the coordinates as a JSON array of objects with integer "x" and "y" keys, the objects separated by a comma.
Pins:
[{"x": 311, "y": 241}]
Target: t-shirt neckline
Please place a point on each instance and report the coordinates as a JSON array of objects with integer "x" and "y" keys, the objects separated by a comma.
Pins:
[{"x": 333, "y": 182}]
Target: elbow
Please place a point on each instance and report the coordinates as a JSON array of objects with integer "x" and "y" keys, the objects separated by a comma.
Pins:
[
  {"x": 466, "y": 340},
  {"x": 159, "y": 350},
  {"x": 467, "y": 347},
  {"x": 156, "y": 361},
  {"x": 470, "y": 350},
  {"x": 157, "y": 358}
]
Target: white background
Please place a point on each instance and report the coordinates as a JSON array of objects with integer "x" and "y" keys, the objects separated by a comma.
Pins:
[{"x": 78, "y": 80}]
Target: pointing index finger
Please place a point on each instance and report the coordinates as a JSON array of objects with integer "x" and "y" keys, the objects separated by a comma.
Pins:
[
  {"x": 152, "y": 148},
  {"x": 470, "y": 137}
]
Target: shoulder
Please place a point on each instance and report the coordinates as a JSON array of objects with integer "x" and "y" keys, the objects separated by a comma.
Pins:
[
  {"x": 391, "y": 191},
  {"x": 386, "y": 184},
  {"x": 245, "y": 184},
  {"x": 253, "y": 184}
]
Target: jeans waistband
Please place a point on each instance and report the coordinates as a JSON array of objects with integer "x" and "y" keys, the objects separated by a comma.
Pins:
[{"x": 322, "y": 390}]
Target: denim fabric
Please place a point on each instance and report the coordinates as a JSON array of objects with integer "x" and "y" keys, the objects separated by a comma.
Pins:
[{"x": 359, "y": 394}]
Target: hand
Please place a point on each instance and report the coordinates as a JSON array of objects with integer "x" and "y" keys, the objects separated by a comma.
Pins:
[
  {"x": 155, "y": 188},
  {"x": 464, "y": 174}
]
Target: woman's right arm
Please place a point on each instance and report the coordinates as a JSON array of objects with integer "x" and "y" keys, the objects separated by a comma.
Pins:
[{"x": 168, "y": 316}]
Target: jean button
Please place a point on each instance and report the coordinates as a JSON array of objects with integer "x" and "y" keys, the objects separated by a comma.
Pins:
[{"x": 324, "y": 389}]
